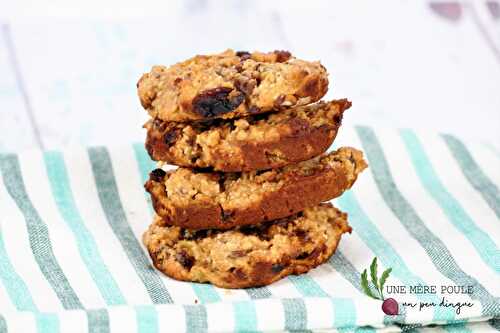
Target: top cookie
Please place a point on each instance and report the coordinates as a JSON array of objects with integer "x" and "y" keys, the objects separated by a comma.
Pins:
[{"x": 230, "y": 84}]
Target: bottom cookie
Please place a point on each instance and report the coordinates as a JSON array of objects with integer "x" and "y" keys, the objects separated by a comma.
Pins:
[{"x": 248, "y": 256}]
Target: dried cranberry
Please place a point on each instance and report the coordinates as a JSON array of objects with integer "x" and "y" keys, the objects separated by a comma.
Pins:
[
  {"x": 302, "y": 235},
  {"x": 244, "y": 55},
  {"x": 276, "y": 268},
  {"x": 254, "y": 110},
  {"x": 214, "y": 102},
  {"x": 170, "y": 138},
  {"x": 157, "y": 175},
  {"x": 185, "y": 259},
  {"x": 282, "y": 56},
  {"x": 302, "y": 256},
  {"x": 246, "y": 86}
]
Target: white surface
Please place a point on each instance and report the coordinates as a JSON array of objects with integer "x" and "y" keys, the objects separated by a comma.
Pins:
[{"x": 401, "y": 63}]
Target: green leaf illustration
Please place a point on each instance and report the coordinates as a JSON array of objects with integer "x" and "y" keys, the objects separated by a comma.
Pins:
[
  {"x": 364, "y": 285},
  {"x": 383, "y": 278},
  {"x": 373, "y": 274}
]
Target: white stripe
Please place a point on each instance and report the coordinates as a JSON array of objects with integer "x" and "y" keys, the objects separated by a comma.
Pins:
[
  {"x": 368, "y": 312},
  {"x": 319, "y": 312},
  {"x": 87, "y": 201},
  {"x": 131, "y": 193},
  {"x": 171, "y": 318},
  {"x": 73, "y": 321},
  {"x": 232, "y": 295},
  {"x": 284, "y": 289},
  {"x": 19, "y": 251},
  {"x": 122, "y": 319},
  {"x": 24, "y": 322},
  {"x": 63, "y": 240},
  {"x": 220, "y": 317},
  {"x": 332, "y": 282},
  {"x": 270, "y": 314}
]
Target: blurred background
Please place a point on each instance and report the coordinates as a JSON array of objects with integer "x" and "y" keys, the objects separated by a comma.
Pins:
[{"x": 68, "y": 69}]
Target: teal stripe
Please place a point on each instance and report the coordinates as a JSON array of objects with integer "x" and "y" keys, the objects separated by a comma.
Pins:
[
  {"x": 408, "y": 217},
  {"x": 258, "y": 293},
  {"x": 196, "y": 318},
  {"x": 63, "y": 196},
  {"x": 47, "y": 322},
  {"x": 145, "y": 165},
  {"x": 98, "y": 321},
  {"x": 456, "y": 328},
  {"x": 295, "y": 314},
  {"x": 206, "y": 293},
  {"x": 483, "y": 244},
  {"x": 147, "y": 319},
  {"x": 344, "y": 312},
  {"x": 471, "y": 170},
  {"x": 143, "y": 161},
  {"x": 115, "y": 214},
  {"x": 492, "y": 149},
  {"x": 307, "y": 286},
  {"x": 365, "y": 329},
  {"x": 3, "y": 325},
  {"x": 38, "y": 233},
  {"x": 495, "y": 323},
  {"x": 374, "y": 239},
  {"x": 245, "y": 316},
  {"x": 14, "y": 285}
]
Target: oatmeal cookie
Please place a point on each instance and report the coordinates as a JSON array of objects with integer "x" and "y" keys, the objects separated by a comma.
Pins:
[
  {"x": 248, "y": 256},
  {"x": 230, "y": 84},
  {"x": 196, "y": 199},
  {"x": 258, "y": 142}
]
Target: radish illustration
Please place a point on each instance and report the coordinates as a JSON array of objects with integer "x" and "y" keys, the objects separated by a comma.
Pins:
[{"x": 389, "y": 305}]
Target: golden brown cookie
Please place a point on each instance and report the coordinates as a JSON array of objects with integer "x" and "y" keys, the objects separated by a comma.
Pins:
[
  {"x": 195, "y": 199},
  {"x": 249, "y": 256},
  {"x": 230, "y": 84},
  {"x": 258, "y": 142}
]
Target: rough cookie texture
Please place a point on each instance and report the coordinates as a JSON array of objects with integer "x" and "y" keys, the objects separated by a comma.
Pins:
[
  {"x": 248, "y": 256},
  {"x": 230, "y": 84},
  {"x": 258, "y": 142},
  {"x": 195, "y": 199}
]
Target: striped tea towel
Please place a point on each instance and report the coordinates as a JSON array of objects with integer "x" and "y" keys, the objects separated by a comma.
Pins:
[{"x": 428, "y": 208}]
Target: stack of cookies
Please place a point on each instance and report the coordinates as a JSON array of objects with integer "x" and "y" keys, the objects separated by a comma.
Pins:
[{"x": 248, "y": 133}]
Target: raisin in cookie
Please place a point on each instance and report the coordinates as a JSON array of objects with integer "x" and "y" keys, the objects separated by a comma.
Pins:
[
  {"x": 248, "y": 256},
  {"x": 258, "y": 142},
  {"x": 196, "y": 199},
  {"x": 230, "y": 84}
]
